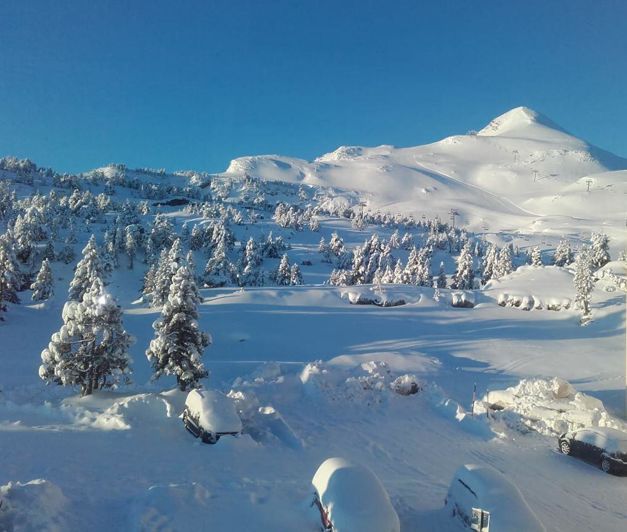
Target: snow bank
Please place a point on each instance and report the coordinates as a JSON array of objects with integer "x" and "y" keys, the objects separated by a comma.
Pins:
[
  {"x": 36, "y": 506},
  {"x": 548, "y": 406},
  {"x": 368, "y": 383},
  {"x": 532, "y": 287}
]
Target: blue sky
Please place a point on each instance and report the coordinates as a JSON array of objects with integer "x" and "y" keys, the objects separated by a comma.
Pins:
[{"x": 193, "y": 84}]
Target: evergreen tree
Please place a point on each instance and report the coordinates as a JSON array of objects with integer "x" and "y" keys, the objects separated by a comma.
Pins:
[
  {"x": 600, "y": 252},
  {"x": 504, "y": 264},
  {"x": 536, "y": 256},
  {"x": 169, "y": 262},
  {"x": 563, "y": 254},
  {"x": 131, "y": 237},
  {"x": 218, "y": 270},
  {"x": 91, "y": 348},
  {"x": 489, "y": 263},
  {"x": 10, "y": 276},
  {"x": 43, "y": 286},
  {"x": 249, "y": 267},
  {"x": 325, "y": 250},
  {"x": 296, "y": 277},
  {"x": 463, "y": 278},
  {"x": 441, "y": 280},
  {"x": 583, "y": 280},
  {"x": 87, "y": 269},
  {"x": 179, "y": 343},
  {"x": 283, "y": 274}
]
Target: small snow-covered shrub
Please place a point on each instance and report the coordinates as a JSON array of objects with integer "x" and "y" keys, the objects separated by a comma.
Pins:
[
  {"x": 406, "y": 385},
  {"x": 462, "y": 300}
]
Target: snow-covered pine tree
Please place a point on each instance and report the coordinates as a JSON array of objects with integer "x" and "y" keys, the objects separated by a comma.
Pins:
[
  {"x": 179, "y": 343},
  {"x": 399, "y": 273},
  {"x": 91, "y": 348},
  {"x": 424, "y": 277},
  {"x": 10, "y": 275},
  {"x": 563, "y": 254},
  {"x": 218, "y": 270},
  {"x": 314, "y": 224},
  {"x": 249, "y": 274},
  {"x": 131, "y": 243},
  {"x": 87, "y": 269},
  {"x": 169, "y": 262},
  {"x": 463, "y": 279},
  {"x": 584, "y": 282},
  {"x": 504, "y": 264},
  {"x": 325, "y": 250},
  {"x": 441, "y": 280},
  {"x": 42, "y": 287},
  {"x": 283, "y": 274},
  {"x": 296, "y": 277},
  {"x": 536, "y": 256},
  {"x": 490, "y": 261},
  {"x": 600, "y": 251}
]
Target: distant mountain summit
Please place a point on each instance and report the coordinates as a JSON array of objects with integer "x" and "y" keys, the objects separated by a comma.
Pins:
[{"x": 525, "y": 123}]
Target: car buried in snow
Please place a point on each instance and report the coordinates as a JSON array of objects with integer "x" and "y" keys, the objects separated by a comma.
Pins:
[
  {"x": 601, "y": 446},
  {"x": 350, "y": 497},
  {"x": 484, "y": 500},
  {"x": 209, "y": 414}
]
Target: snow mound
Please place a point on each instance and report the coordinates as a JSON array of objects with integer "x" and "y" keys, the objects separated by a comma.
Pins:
[
  {"x": 35, "y": 506},
  {"x": 533, "y": 287},
  {"x": 369, "y": 383},
  {"x": 548, "y": 406}
]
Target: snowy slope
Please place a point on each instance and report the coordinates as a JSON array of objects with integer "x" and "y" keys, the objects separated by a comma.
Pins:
[{"x": 493, "y": 178}]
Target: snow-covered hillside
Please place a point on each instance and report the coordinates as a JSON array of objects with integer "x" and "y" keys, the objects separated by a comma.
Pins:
[{"x": 518, "y": 168}]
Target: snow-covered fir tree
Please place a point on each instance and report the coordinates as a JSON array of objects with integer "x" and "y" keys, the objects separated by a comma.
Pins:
[
  {"x": 219, "y": 270},
  {"x": 91, "y": 348},
  {"x": 325, "y": 250},
  {"x": 296, "y": 277},
  {"x": 536, "y": 256},
  {"x": 179, "y": 343},
  {"x": 169, "y": 262},
  {"x": 42, "y": 287},
  {"x": 440, "y": 282},
  {"x": 463, "y": 279},
  {"x": 283, "y": 275},
  {"x": 489, "y": 264},
  {"x": 249, "y": 274},
  {"x": 563, "y": 254},
  {"x": 10, "y": 275},
  {"x": 600, "y": 250},
  {"x": 87, "y": 269},
  {"x": 584, "y": 281},
  {"x": 504, "y": 264}
]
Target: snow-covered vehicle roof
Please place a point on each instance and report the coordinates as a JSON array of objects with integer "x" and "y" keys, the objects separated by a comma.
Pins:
[
  {"x": 354, "y": 498},
  {"x": 484, "y": 487},
  {"x": 610, "y": 439},
  {"x": 215, "y": 411}
]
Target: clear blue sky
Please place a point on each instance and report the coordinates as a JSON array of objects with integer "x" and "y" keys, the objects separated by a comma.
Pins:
[{"x": 192, "y": 84}]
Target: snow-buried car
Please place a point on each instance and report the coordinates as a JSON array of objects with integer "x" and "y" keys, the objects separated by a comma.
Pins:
[
  {"x": 484, "y": 500},
  {"x": 210, "y": 414},
  {"x": 351, "y": 498}
]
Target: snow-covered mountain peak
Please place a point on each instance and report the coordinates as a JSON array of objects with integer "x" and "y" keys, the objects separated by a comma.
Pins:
[{"x": 523, "y": 122}]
